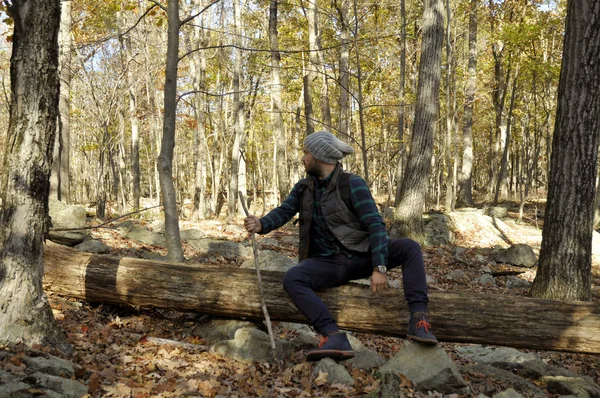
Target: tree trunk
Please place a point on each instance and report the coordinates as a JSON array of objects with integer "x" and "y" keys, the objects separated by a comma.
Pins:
[
  {"x": 59, "y": 179},
  {"x": 501, "y": 189},
  {"x": 165, "y": 159},
  {"x": 466, "y": 177},
  {"x": 237, "y": 115},
  {"x": 564, "y": 326},
  {"x": 401, "y": 113},
  {"x": 25, "y": 315},
  {"x": 566, "y": 253},
  {"x": 276, "y": 107},
  {"x": 414, "y": 185},
  {"x": 343, "y": 121},
  {"x": 449, "y": 199},
  {"x": 361, "y": 111}
]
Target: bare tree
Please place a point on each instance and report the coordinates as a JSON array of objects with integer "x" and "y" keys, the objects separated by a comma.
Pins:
[
  {"x": 413, "y": 196},
  {"x": 165, "y": 159},
  {"x": 25, "y": 315},
  {"x": 564, "y": 270},
  {"x": 276, "y": 107},
  {"x": 60, "y": 187},
  {"x": 465, "y": 194}
]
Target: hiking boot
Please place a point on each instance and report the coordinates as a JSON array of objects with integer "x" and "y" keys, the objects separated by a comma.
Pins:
[
  {"x": 335, "y": 347},
  {"x": 420, "y": 330}
]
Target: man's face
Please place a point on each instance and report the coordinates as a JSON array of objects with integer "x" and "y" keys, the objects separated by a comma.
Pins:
[{"x": 310, "y": 164}]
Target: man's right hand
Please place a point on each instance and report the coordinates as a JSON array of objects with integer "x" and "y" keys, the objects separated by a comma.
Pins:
[{"x": 252, "y": 224}]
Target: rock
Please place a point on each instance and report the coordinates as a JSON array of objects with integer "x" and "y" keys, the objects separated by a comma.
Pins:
[
  {"x": 20, "y": 389},
  {"x": 191, "y": 234},
  {"x": 390, "y": 386},
  {"x": 438, "y": 230},
  {"x": 482, "y": 377},
  {"x": 497, "y": 211},
  {"x": 510, "y": 393},
  {"x": 220, "y": 329},
  {"x": 223, "y": 248},
  {"x": 269, "y": 242},
  {"x": 520, "y": 255},
  {"x": 143, "y": 235},
  {"x": 253, "y": 345},
  {"x": 67, "y": 216},
  {"x": 125, "y": 227},
  {"x": 499, "y": 357},
  {"x": 158, "y": 225},
  {"x": 336, "y": 373},
  {"x": 235, "y": 229},
  {"x": 270, "y": 260},
  {"x": 291, "y": 240},
  {"x": 51, "y": 365},
  {"x": 66, "y": 387},
  {"x": 487, "y": 280},
  {"x": 514, "y": 282},
  {"x": 363, "y": 357},
  {"x": 578, "y": 386},
  {"x": 93, "y": 246},
  {"x": 429, "y": 368},
  {"x": 455, "y": 274}
]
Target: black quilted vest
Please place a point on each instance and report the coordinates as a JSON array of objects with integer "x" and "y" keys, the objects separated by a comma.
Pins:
[{"x": 342, "y": 222}]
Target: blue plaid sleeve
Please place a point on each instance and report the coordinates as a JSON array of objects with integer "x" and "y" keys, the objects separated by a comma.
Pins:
[
  {"x": 279, "y": 216},
  {"x": 366, "y": 209}
]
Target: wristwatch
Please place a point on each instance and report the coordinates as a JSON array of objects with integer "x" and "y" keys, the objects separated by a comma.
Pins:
[{"x": 382, "y": 269}]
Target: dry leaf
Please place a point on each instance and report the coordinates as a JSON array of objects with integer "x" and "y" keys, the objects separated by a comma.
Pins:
[
  {"x": 94, "y": 383},
  {"x": 321, "y": 378}
]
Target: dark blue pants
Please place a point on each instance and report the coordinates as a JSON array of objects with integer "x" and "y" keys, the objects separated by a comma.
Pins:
[{"x": 316, "y": 273}]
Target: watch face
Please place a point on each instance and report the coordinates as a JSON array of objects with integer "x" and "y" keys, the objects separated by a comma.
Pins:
[{"x": 382, "y": 269}]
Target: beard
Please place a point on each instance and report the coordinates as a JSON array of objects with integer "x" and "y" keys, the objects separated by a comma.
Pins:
[{"x": 312, "y": 170}]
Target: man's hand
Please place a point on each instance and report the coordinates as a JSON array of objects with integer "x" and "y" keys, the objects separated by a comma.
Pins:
[
  {"x": 378, "y": 281},
  {"x": 252, "y": 224}
]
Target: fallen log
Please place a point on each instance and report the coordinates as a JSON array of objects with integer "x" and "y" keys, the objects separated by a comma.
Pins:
[{"x": 456, "y": 317}]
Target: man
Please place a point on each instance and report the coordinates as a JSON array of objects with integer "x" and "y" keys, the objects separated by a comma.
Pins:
[{"x": 342, "y": 238}]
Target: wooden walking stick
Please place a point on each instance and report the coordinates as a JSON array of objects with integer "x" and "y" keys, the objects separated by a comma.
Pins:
[{"x": 260, "y": 285}]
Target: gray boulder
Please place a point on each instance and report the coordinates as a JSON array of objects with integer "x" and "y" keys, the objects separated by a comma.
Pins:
[
  {"x": 223, "y": 248},
  {"x": 482, "y": 377},
  {"x": 520, "y": 255},
  {"x": 253, "y": 345},
  {"x": 497, "y": 211},
  {"x": 93, "y": 246},
  {"x": 514, "y": 282},
  {"x": 363, "y": 357},
  {"x": 429, "y": 368},
  {"x": 220, "y": 329},
  {"x": 438, "y": 230},
  {"x": 66, "y": 216},
  {"x": 125, "y": 227},
  {"x": 510, "y": 393},
  {"x": 65, "y": 387},
  {"x": 191, "y": 234},
  {"x": 336, "y": 373},
  {"x": 487, "y": 280},
  {"x": 51, "y": 365},
  {"x": 270, "y": 260},
  {"x": 143, "y": 235},
  {"x": 499, "y": 357},
  {"x": 578, "y": 386}
]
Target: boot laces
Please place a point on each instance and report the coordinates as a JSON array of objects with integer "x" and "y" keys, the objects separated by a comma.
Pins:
[
  {"x": 323, "y": 341},
  {"x": 424, "y": 324}
]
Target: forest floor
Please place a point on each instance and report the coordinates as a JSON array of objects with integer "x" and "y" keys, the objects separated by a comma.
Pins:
[{"x": 121, "y": 358}]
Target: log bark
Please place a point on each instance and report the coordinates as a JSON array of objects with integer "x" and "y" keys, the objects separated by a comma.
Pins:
[{"x": 514, "y": 321}]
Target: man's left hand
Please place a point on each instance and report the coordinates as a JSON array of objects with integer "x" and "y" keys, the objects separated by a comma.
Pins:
[{"x": 378, "y": 281}]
